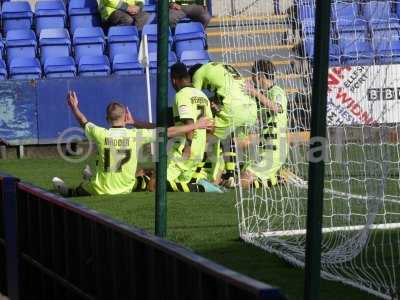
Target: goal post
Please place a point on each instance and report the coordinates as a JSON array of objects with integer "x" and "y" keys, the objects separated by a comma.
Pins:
[{"x": 361, "y": 198}]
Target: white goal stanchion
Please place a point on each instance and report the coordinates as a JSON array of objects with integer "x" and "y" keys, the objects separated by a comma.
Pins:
[{"x": 361, "y": 219}]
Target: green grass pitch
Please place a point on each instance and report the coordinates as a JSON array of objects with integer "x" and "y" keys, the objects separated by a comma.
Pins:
[{"x": 205, "y": 224}]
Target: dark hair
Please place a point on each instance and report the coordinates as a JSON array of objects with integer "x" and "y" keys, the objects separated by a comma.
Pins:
[
  {"x": 115, "y": 111},
  {"x": 194, "y": 68},
  {"x": 264, "y": 66},
  {"x": 179, "y": 71}
]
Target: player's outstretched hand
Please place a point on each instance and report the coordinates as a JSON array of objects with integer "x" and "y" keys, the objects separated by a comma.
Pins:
[
  {"x": 72, "y": 99},
  {"x": 128, "y": 117},
  {"x": 205, "y": 123}
]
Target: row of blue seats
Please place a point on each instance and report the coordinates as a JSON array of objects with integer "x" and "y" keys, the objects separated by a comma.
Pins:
[
  {"x": 344, "y": 11},
  {"x": 359, "y": 52},
  {"x": 49, "y": 14},
  {"x": 96, "y": 65},
  {"x": 91, "y": 41}
]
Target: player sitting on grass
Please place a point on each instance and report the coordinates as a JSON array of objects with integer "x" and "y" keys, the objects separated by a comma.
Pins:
[
  {"x": 234, "y": 111},
  {"x": 117, "y": 149},
  {"x": 187, "y": 152},
  {"x": 272, "y": 145}
]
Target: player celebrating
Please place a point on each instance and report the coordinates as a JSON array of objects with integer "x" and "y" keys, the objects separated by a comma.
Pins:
[
  {"x": 273, "y": 145},
  {"x": 187, "y": 151},
  {"x": 233, "y": 109},
  {"x": 117, "y": 149}
]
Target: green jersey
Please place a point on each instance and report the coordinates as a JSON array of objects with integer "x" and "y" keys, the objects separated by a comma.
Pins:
[
  {"x": 237, "y": 109},
  {"x": 275, "y": 124},
  {"x": 273, "y": 140},
  {"x": 117, "y": 150},
  {"x": 190, "y": 104},
  {"x": 222, "y": 80}
]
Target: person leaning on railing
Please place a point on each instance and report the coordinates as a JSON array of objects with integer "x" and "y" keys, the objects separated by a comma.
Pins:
[
  {"x": 195, "y": 10},
  {"x": 123, "y": 12}
]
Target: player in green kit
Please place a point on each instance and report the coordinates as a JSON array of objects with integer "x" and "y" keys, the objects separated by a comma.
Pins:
[
  {"x": 117, "y": 150},
  {"x": 187, "y": 152},
  {"x": 235, "y": 111},
  {"x": 273, "y": 142}
]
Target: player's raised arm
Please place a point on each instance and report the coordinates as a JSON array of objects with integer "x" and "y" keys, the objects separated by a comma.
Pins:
[
  {"x": 202, "y": 123},
  {"x": 265, "y": 101},
  {"x": 73, "y": 103}
]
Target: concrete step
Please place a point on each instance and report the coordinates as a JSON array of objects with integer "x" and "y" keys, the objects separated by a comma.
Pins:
[
  {"x": 265, "y": 49},
  {"x": 235, "y": 20}
]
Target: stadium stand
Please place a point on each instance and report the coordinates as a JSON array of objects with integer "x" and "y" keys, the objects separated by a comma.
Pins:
[
  {"x": 3, "y": 70},
  {"x": 83, "y": 13},
  {"x": 367, "y": 31},
  {"x": 151, "y": 31},
  {"x": 123, "y": 40},
  {"x": 54, "y": 42},
  {"x": 25, "y": 68},
  {"x": 192, "y": 57},
  {"x": 189, "y": 36},
  {"x": 149, "y": 6},
  {"x": 153, "y": 60},
  {"x": 96, "y": 65},
  {"x": 56, "y": 67},
  {"x": 49, "y": 14},
  {"x": 88, "y": 42},
  {"x": 58, "y": 35},
  {"x": 16, "y": 15},
  {"x": 20, "y": 43},
  {"x": 125, "y": 64}
]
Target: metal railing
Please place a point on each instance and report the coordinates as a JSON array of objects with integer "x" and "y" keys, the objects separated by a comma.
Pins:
[{"x": 67, "y": 251}]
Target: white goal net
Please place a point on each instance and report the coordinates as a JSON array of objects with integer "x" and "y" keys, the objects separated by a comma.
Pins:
[{"x": 361, "y": 219}]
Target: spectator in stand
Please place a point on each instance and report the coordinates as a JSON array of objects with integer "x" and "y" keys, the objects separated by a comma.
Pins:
[
  {"x": 123, "y": 13},
  {"x": 195, "y": 10}
]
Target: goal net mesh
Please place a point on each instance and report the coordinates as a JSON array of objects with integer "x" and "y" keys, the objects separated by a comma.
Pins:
[{"x": 361, "y": 217}]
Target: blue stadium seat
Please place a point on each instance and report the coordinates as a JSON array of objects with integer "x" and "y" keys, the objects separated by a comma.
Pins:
[
  {"x": 54, "y": 43},
  {"x": 49, "y": 14},
  {"x": 189, "y": 36},
  {"x": 59, "y": 67},
  {"x": 149, "y": 6},
  {"x": 306, "y": 11},
  {"x": 123, "y": 40},
  {"x": 346, "y": 14},
  {"x": 358, "y": 53},
  {"x": 151, "y": 31},
  {"x": 25, "y": 68},
  {"x": 384, "y": 36},
  {"x": 358, "y": 25},
  {"x": 1, "y": 46},
  {"x": 192, "y": 57},
  {"x": 388, "y": 52},
  {"x": 348, "y": 38},
  {"x": 3, "y": 70},
  {"x": 153, "y": 61},
  {"x": 83, "y": 13},
  {"x": 377, "y": 11},
  {"x": 334, "y": 55},
  {"x": 20, "y": 43},
  {"x": 308, "y": 26},
  {"x": 334, "y": 52},
  {"x": 93, "y": 66},
  {"x": 16, "y": 15},
  {"x": 309, "y": 48},
  {"x": 88, "y": 41},
  {"x": 125, "y": 64}
]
